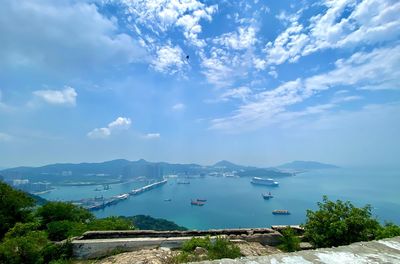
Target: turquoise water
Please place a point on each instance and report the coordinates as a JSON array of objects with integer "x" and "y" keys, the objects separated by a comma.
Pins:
[{"x": 235, "y": 202}]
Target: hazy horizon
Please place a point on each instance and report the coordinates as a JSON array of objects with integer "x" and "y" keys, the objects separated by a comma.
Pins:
[{"x": 256, "y": 83}]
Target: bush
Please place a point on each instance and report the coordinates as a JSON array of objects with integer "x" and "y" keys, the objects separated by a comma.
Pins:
[
  {"x": 15, "y": 206},
  {"x": 60, "y": 230},
  {"x": 388, "y": 230},
  {"x": 60, "y": 211},
  {"x": 110, "y": 223},
  {"x": 217, "y": 249},
  {"x": 290, "y": 241},
  {"x": 223, "y": 248},
  {"x": 23, "y": 249},
  {"x": 22, "y": 229},
  {"x": 339, "y": 223},
  {"x": 57, "y": 253},
  {"x": 194, "y": 242}
]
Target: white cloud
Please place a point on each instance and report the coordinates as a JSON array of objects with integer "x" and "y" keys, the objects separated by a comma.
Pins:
[
  {"x": 63, "y": 36},
  {"x": 368, "y": 22},
  {"x": 4, "y": 137},
  {"x": 237, "y": 93},
  {"x": 67, "y": 96},
  {"x": 169, "y": 60},
  {"x": 379, "y": 67},
  {"x": 244, "y": 38},
  {"x": 178, "y": 107},
  {"x": 159, "y": 16},
  {"x": 121, "y": 123},
  {"x": 152, "y": 136}
]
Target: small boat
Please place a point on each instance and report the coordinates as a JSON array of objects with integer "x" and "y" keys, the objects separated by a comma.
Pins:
[
  {"x": 183, "y": 182},
  {"x": 167, "y": 200},
  {"x": 198, "y": 203},
  {"x": 280, "y": 212},
  {"x": 201, "y": 200},
  {"x": 267, "y": 196}
]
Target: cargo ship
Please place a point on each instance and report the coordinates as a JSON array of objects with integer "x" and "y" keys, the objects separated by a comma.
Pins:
[
  {"x": 267, "y": 196},
  {"x": 264, "y": 181},
  {"x": 198, "y": 203},
  {"x": 280, "y": 212}
]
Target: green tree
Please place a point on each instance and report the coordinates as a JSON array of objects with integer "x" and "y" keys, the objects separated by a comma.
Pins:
[
  {"x": 290, "y": 241},
  {"x": 60, "y": 211},
  {"x": 24, "y": 249},
  {"x": 15, "y": 206},
  {"x": 388, "y": 230},
  {"x": 110, "y": 223},
  {"x": 60, "y": 230},
  {"x": 339, "y": 223}
]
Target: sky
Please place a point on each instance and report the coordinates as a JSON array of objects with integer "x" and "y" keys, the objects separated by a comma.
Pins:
[{"x": 254, "y": 82}]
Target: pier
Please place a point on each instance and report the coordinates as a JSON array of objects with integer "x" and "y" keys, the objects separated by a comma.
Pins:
[{"x": 101, "y": 203}]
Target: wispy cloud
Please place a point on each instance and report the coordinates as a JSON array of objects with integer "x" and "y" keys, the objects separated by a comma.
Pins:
[
  {"x": 67, "y": 96},
  {"x": 5, "y": 137},
  {"x": 369, "y": 22},
  {"x": 178, "y": 107},
  {"x": 378, "y": 67},
  {"x": 152, "y": 135},
  {"x": 121, "y": 123}
]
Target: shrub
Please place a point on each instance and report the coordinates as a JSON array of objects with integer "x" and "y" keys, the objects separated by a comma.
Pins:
[
  {"x": 339, "y": 223},
  {"x": 15, "y": 206},
  {"x": 22, "y": 229},
  {"x": 223, "y": 248},
  {"x": 23, "y": 249},
  {"x": 194, "y": 242},
  {"x": 388, "y": 230},
  {"x": 217, "y": 249},
  {"x": 110, "y": 223},
  {"x": 57, "y": 253},
  {"x": 60, "y": 211},
  {"x": 290, "y": 241},
  {"x": 60, "y": 230}
]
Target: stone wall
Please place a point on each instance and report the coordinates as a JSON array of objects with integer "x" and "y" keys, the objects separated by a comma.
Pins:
[{"x": 96, "y": 244}]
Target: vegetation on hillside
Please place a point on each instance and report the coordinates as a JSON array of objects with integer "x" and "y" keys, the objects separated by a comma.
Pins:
[
  {"x": 341, "y": 223},
  {"x": 197, "y": 249},
  {"x": 145, "y": 222},
  {"x": 290, "y": 241}
]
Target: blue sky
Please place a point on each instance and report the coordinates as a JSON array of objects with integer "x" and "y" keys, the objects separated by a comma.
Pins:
[{"x": 266, "y": 82}]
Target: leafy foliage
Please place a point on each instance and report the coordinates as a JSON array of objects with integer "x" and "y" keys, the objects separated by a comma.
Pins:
[
  {"x": 60, "y": 211},
  {"x": 15, "y": 206},
  {"x": 110, "y": 223},
  {"x": 24, "y": 249},
  {"x": 339, "y": 223},
  {"x": 217, "y": 249},
  {"x": 60, "y": 230},
  {"x": 388, "y": 230},
  {"x": 290, "y": 241}
]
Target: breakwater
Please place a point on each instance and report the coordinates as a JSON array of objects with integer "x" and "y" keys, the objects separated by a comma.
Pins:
[{"x": 98, "y": 203}]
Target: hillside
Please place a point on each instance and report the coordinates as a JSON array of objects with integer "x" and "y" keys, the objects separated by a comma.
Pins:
[{"x": 306, "y": 165}]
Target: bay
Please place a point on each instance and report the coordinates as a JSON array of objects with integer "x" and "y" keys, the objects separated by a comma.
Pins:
[{"x": 235, "y": 202}]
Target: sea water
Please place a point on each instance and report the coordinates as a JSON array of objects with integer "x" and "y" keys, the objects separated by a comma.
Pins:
[{"x": 236, "y": 203}]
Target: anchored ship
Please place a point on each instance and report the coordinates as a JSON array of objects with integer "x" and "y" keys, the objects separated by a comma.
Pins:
[
  {"x": 197, "y": 202},
  {"x": 267, "y": 196},
  {"x": 280, "y": 212},
  {"x": 264, "y": 181}
]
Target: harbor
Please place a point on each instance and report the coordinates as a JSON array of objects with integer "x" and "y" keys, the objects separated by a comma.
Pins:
[{"x": 98, "y": 203}]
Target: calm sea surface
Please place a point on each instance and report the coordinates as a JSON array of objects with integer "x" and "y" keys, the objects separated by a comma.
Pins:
[{"x": 235, "y": 202}]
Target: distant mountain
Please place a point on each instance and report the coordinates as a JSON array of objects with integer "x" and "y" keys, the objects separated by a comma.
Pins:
[
  {"x": 121, "y": 169},
  {"x": 306, "y": 165},
  {"x": 228, "y": 165},
  {"x": 145, "y": 222}
]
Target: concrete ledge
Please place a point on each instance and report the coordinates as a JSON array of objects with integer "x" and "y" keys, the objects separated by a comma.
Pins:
[{"x": 96, "y": 244}]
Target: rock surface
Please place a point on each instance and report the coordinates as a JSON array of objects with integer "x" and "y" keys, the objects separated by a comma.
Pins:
[
  {"x": 256, "y": 249},
  {"x": 145, "y": 256},
  {"x": 376, "y": 252}
]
